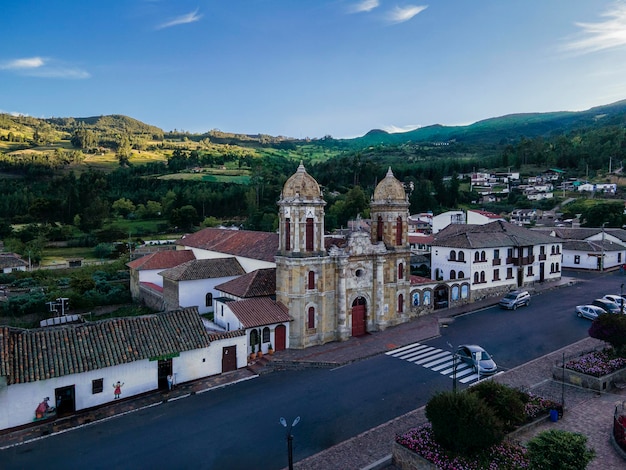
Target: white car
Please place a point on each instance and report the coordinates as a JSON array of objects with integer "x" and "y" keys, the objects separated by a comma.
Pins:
[{"x": 588, "y": 311}]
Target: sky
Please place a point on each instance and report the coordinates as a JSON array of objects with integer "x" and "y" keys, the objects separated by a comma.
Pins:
[{"x": 309, "y": 68}]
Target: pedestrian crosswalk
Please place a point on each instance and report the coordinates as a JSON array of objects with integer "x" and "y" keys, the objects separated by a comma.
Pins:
[{"x": 435, "y": 359}]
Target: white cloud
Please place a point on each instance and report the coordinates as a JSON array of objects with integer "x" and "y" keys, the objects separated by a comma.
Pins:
[
  {"x": 607, "y": 34},
  {"x": 364, "y": 6},
  {"x": 184, "y": 19},
  {"x": 21, "y": 64},
  {"x": 45, "y": 68},
  {"x": 402, "y": 14}
]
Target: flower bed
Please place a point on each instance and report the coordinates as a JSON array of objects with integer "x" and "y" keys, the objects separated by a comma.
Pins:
[
  {"x": 597, "y": 370},
  {"x": 426, "y": 454},
  {"x": 596, "y": 364},
  {"x": 507, "y": 455}
]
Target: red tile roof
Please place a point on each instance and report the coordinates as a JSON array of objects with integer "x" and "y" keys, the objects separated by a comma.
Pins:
[
  {"x": 259, "y": 311},
  {"x": 151, "y": 285},
  {"x": 259, "y": 283},
  {"x": 161, "y": 260},
  {"x": 245, "y": 243},
  {"x": 45, "y": 353}
]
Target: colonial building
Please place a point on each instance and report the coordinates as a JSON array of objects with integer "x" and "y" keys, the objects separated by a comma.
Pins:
[
  {"x": 350, "y": 285},
  {"x": 52, "y": 372},
  {"x": 495, "y": 257}
]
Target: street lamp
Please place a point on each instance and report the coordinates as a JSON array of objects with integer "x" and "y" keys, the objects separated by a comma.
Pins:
[
  {"x": 621, "y": 299},
  {"x": 455, "y": 357},
  {"x": 283, "y": 421}
]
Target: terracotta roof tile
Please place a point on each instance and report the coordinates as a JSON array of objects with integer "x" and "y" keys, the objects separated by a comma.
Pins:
[
  {"x": 162, "y": 260},
  {"x": 31, "y": 355},
  {"x": 259, "y": 283},
  {"x": 259, "y": 311},
  {"x": 245, "y": 243},
  {"x": 204, "y": 269}
]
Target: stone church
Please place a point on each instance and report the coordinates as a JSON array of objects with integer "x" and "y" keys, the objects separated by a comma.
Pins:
[{"x": 336, "y": 288}]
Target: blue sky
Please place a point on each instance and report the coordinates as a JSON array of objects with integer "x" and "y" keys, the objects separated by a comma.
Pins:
[{"x": 309, "y": 68}]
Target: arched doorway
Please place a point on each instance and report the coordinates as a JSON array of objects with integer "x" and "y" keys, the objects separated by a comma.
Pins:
[
  {"x": 280, "y": 338},
  {"x": 441, "y": 297},
  {"x": 359, "y": 316}
]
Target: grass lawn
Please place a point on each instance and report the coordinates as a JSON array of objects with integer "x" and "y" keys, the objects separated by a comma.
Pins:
[{"x": 53, "y": 256}]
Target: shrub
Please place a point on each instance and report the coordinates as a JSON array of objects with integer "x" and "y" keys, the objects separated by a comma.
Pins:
[
  {"x": 610, "y": 328},
  {"x": 559, "y": 449},
  {"x": 507, "y": 403},
  {"x": 463, "y": 423}
]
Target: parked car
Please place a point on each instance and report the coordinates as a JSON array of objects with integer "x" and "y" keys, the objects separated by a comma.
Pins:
[
  {"x": 467, "y": 353},
  {"x": 607, "y": 305},
  {"x": 618, "y": 299},
  {"x": 588, "y": 311},
  {"x": 514, "y": 299}
]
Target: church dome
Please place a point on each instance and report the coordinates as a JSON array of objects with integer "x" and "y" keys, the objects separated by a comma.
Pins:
[
  {"x": 301, "y": 185},
  {"x": 390, "y": 189}
]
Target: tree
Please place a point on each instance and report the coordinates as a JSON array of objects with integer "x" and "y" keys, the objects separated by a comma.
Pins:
[
  {"x": 123, "y": 207},
  {"x": 557, "y": 449},
  {"x": 124, "y": 150},
  {"x": 610, "y": 328},
  {"x": 184, "y": 218}
]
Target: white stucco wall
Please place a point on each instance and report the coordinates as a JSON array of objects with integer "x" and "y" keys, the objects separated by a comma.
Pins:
[
  {"x": 611, "y": 259},
  {"x": 151, "y": 275},
  {"x": 193, "y": 293},
  {"x": 18, "y": 402}
]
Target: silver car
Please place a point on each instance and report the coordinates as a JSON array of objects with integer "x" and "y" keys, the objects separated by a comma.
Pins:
[
  {"x": 477, "y": 358},
  {"x": 588, "y": 311},
  {"x": 514, "y": 299}
]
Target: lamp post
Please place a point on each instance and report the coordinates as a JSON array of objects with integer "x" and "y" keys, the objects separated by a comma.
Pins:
[
  {"x": 454, "y": 366},
  {"x": 283, "y": 421},
  {"x": 621, "y": 299}
]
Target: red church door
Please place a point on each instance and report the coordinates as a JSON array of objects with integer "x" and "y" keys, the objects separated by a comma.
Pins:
[
  {"x": 280, "y": 338},
  {"x": 359, "y": 315}
]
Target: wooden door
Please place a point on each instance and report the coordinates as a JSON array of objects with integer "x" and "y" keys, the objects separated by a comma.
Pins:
[
  {"x": 229, "y": 358},
  {"x": 359, "y": 317},
  {"x": 280, "y": 338}
]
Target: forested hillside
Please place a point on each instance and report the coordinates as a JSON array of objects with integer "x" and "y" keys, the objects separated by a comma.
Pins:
[{"x": 97, "y": 180}]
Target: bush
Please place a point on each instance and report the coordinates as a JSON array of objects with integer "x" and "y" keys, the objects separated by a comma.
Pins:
[
  {"x": 610, "y": 328},
  {"x": 507, "y": 403},
  {"x": 559, "y": 449},
  {"x": 463, "y": 422}
]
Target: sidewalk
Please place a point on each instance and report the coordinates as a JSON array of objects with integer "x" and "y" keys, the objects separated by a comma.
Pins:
[{"x": 585, "y": 411}]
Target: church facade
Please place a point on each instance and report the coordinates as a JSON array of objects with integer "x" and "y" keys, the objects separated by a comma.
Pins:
[{"x": 338, "y": 288}]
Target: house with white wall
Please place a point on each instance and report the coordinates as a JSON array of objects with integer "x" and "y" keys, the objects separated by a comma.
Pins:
[
  {"x": 496, "y": 257},
  {"x": 253, "y": 250},
  {"x": 145, "y": 270},
  {"x": 76, "y": 367},
  {"x": 248, "y": 303},
  {"x": 589, "y": 248},
  {"x": 10, "y": 262},
  {"x": 193, "y": 283}
]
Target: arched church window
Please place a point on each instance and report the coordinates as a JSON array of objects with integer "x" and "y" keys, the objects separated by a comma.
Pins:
[
  {"x": 379, "y": 229},
  {"x": 399, "y": 231},
  {"x": 309, "y": 234},
  {"x": 401, "y": 271},
  {"x": 288, "y": 234},
  {"x": 400, "y": 303},
  {"x": 311, "y": 318},
  {"x": 311, "y": 283}
]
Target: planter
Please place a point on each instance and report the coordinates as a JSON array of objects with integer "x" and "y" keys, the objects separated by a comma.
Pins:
[{"x": 600, "y": 384}]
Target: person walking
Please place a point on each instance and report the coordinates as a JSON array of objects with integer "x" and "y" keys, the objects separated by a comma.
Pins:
[{"x": 170, "y": 382}]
